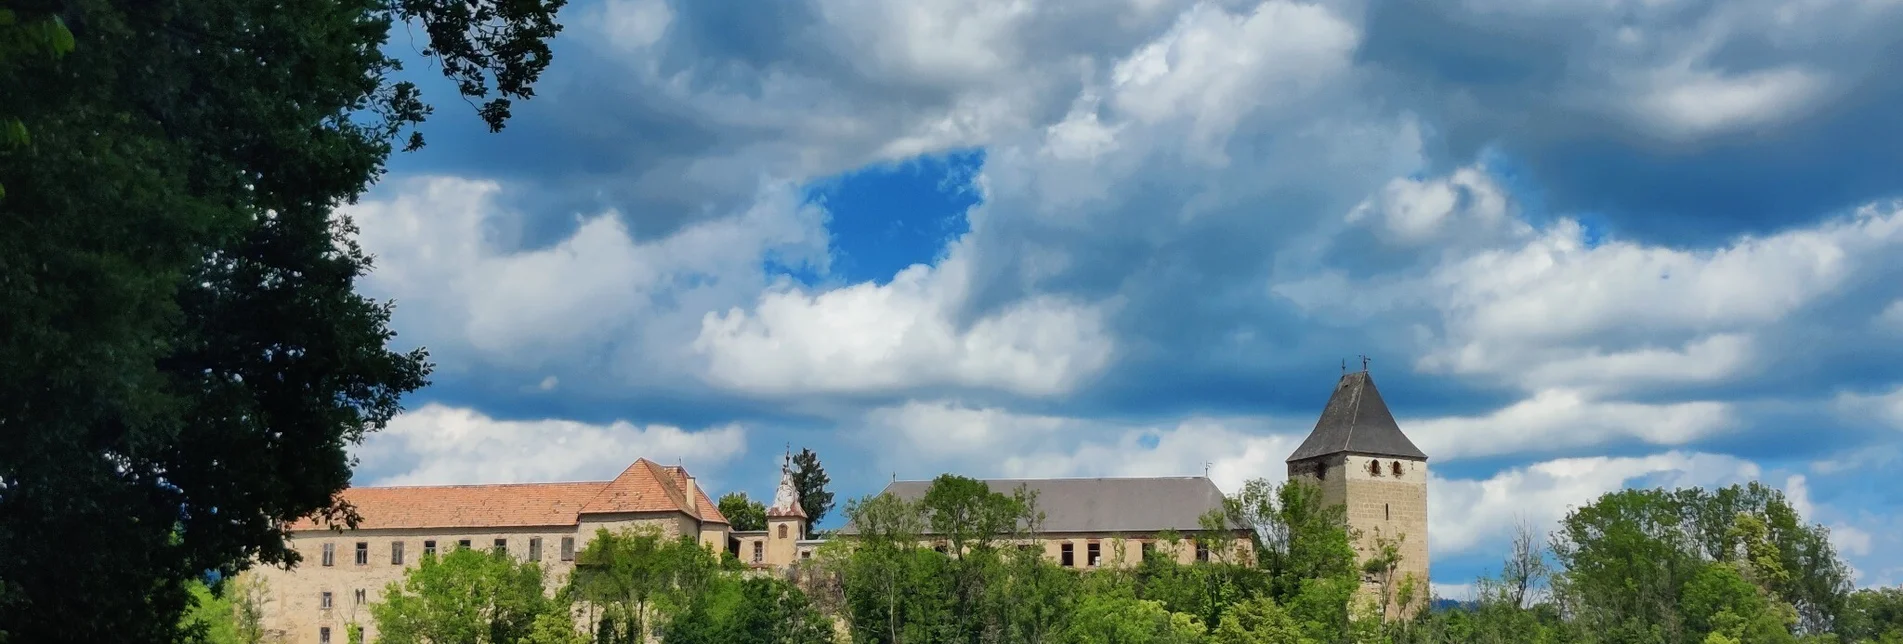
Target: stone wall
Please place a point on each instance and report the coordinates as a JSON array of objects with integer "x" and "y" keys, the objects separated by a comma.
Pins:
[
  {"x": 295, "y": 597},
  {"x": 1381, "y": 503}
]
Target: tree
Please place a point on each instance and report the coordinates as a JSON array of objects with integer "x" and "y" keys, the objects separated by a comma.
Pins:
[
  {"x": 1120, "y": 618},
  {"x": 188, "y": 360},
  {"x": 467, "y": 595},
  {"x": 744, "y": 514},
  {"x": 810, "y": 480},
  {"x": 746, "y": 611},
  {"x": 1259, "y": 621},
  {"x": 639, "y": 578},
  {"x": 1874, "y": 615}
]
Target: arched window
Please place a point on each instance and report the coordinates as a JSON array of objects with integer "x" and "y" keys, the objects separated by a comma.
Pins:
[
  {"x": 1321, "y": 471},
  {"x": 782, "y": 531},
  {"x": 1397, "y": 469},
  {"x": 1374, "y": 468}
]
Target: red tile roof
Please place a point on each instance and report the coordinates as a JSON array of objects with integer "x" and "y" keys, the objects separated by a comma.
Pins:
[{"x": 643, "y": 487}]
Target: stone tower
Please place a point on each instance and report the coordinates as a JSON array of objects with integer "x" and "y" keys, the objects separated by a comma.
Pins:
[
  {"x": 785, "y": 519},
  {"x": 1360, "y": 459}
]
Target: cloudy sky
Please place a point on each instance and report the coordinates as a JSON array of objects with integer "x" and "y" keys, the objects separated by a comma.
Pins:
[{"x": 1585, "y": 245}]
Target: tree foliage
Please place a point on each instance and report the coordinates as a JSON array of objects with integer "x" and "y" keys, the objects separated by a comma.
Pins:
[
  {"x": 467, "y": 595},
  {"x": 743, "y": 514},
  {"x": 638, "y": 578},
  {"x": 188, "y": 358},
  {"x": 810, "y": 480}
]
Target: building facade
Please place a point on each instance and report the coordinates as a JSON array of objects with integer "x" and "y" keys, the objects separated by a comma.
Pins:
[
  {"x": 1099, "y": 522},
  {"x": 785, "y": 538},
  {"x": 344, "y": 570},
  {"x": 1361, "y": 460}
]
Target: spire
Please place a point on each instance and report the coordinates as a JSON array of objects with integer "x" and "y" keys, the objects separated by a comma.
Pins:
[
  {"x": 786, "y": 499},
  {"x": 1356, "y": 421}
]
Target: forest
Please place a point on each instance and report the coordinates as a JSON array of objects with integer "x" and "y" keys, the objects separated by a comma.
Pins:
[{"x": 1731, "y": 565}]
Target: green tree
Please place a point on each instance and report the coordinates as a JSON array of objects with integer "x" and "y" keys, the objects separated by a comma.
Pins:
[
  {"x": 212, "y": 619},
  {"x": 1873, "y": 615},
  {"x": 639, "y": 578},
  {"x": 1629, "y": 559},
  {"x": 1122, "y": 618},
  {"x": 466, "y": 596},
  {"x": 1259, "y": 621},
  {"x": 810, "y": 480},
  {"x": 744, "y": 514},
  {"x": 745, "y": 611},
  {"x": 189, "y": 362}
]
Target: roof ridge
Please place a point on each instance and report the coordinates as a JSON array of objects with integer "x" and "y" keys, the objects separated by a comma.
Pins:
[{"x": 472, "y": 485}]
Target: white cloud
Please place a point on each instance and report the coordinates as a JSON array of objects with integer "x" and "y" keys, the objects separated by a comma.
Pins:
[
  {"x": 1463, "y": 207},
  {"x": 440, "y": 445},
  {"x": 1892, "y": 317},
  {"x": 1213, "y": 67},
  {"x": 1557, "y": 420},
  {"x": 445, "y": 252},
  {"x": 1686, "y": 103},
  {"x": 903, "y": 334},
  {"x": 1885, "y": 409},
  {"x": 1476, "y": 515},
  {"x": 919, "y": 439}
]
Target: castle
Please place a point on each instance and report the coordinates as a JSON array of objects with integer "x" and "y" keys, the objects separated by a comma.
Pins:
[{"x": 1356, "y": 454}]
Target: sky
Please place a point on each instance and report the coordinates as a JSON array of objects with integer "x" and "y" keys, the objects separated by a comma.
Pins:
[{"x": 1584, "y": 245}]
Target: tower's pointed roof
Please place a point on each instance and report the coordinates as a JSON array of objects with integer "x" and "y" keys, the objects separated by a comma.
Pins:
[
  {"x": 786, "y": 498},
  {"x": 1356, "y": 421}
]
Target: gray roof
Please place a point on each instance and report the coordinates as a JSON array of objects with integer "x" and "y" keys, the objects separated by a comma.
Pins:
[
  {"x": 1356, "y": 421},
  {"x": 1103, "y": 504}
]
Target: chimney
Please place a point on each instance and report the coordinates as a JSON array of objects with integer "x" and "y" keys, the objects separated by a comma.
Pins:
[{"x": 693, "y": 493}]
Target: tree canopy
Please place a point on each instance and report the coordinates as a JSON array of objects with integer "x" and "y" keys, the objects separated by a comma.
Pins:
[
  {"x": 188, "y": 357},
  {"x": 743, "y": 514},
  {"x": 810, "y": 480}
]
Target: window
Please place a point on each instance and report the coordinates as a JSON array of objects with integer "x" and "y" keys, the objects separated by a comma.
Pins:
[
  {"x": 1396, "y": 468},
  {"x": 1321, "y": 471},
  {"x": 396, "y": 553},
  {"x": 1149, "y": 548},
  {"x": 1385, "y": 512},
  {"x": 1068, "y": 555},
  {"x": 568, "y": 548},
  {"x": 323, "y": 601},
  {"x": 759, "y": 551},
  {"x": 330, "y": 554},
  {"x": 362, "y": 597},
  {"x": 1202, "y": 551},
  {"x": 323, "y": 635},
  {"x": 806, "y": 554},
  {"x": 462, "y": 543},
  {"x": 1374, "y": 468},
  {"x": 941, "y": 548},
  {"x": 429, "y": 548},
  {"x": 502, "y": 546},
  {"x": 535, "y": 548},
  {"x": 782, "y": 531},
  {"x": 1093, "y": 554},
  {"x": 363, "y": 553}
]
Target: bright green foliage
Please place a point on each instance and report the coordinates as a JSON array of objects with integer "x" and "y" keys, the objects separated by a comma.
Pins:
[
  {"x": 213, "y": 619},
  {"x": 1122, "y": 618},
  {"x": 1653, "y": 565},
  {"x": 638, "y": 578},
  {"x": 188, "y": 360},
  {"x": 1874, "y": 615},
  {"x": 744, "y": 514},
  {"x": 466, "y": 596},
  {"x": 810, "y": 481},
  {"x": 1259, "y": 621},
  {"x": 749, "y": 611}
]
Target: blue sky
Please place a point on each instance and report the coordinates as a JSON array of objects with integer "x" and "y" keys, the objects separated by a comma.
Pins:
[{"x": 1586, "y": 246}]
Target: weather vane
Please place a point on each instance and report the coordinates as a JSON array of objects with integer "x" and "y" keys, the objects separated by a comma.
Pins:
[{"x": 1364, "y": 363}]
